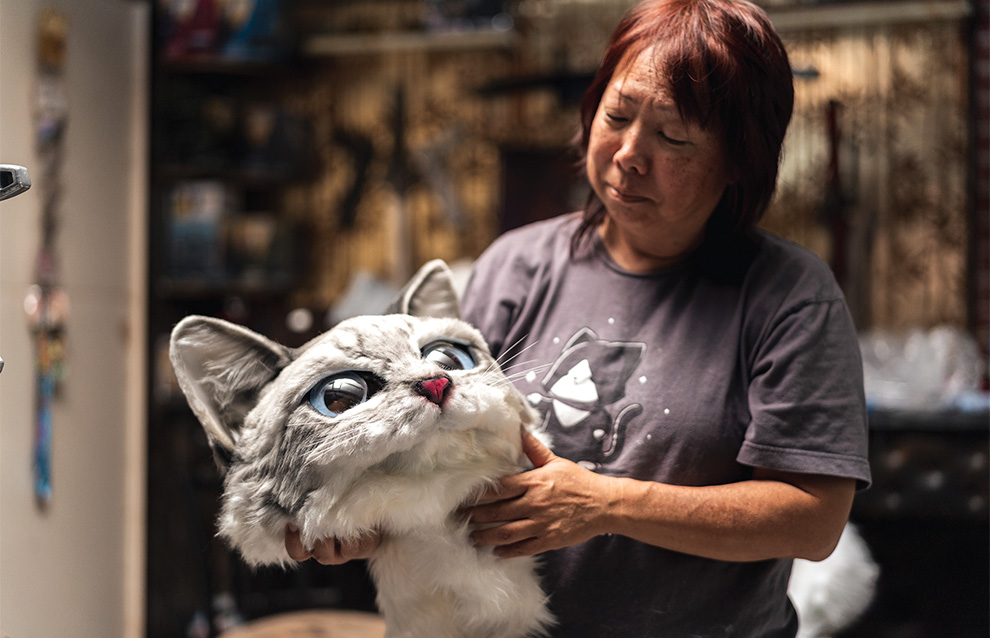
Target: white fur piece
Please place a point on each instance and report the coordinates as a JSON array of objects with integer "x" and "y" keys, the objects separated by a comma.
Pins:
[
  {"x": 440, "y": 585},
  {"x": 832, "y": 594}
]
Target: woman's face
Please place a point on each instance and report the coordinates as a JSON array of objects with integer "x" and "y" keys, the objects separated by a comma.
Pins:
[{"x": 659, "y": 177}]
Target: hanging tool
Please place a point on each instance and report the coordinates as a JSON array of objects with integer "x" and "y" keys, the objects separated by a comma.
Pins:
[{"x": 14, "y": 180}]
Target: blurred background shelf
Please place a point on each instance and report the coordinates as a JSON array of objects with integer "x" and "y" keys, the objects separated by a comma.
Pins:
[{"x": 339, "y": 45}]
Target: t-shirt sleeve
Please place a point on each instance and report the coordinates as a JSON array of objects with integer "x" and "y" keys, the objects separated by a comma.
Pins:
[
  {"x": 806, "y": 397},
  {"x": 493, "y": 296},
  {"x": 508, "y": 282}
]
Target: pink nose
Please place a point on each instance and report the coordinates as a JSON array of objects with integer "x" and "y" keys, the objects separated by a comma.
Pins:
[{"x": 434, "y": 389}]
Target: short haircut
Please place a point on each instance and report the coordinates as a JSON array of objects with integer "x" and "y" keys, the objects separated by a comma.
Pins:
[{"x": 728, "y": 72}]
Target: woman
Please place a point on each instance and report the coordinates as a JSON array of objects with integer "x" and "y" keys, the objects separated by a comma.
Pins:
[
  {"x": 699, "y": 378},
  {"x": 703, "y": 390}
]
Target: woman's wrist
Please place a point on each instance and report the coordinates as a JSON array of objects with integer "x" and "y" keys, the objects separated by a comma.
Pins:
[{"x": 621, "y": 498}]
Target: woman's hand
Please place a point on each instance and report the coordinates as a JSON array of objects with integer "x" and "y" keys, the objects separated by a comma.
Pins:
[
  {"x": 556, "y": 504},
  {"x": 330, "y": 551}
]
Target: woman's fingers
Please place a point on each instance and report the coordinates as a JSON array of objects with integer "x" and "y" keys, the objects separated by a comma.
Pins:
[
  {"x": 500, "y": 511},
  {"x": 527, "y": 547},
  {"x": 360, "y": 547},
  {"x": 330, "y": 551},
  {"x": 508, "y": 487},
  {"x": 538, "y": 453},
  {"x": 506, "y": 534},
  {"x": 294, "y": 545}
]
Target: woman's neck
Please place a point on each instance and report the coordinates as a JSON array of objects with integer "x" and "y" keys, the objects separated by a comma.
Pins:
[{"x": 627, "y": 255}]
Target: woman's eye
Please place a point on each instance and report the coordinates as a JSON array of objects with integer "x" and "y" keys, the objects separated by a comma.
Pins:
[
  {"x": 672, "y": 141},
  {"x": 335, "y": 395},
  {"x": 449, "y": 355}
]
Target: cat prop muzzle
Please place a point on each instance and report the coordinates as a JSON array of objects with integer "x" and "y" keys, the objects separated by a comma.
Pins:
[{"x": 435, "y": 390}]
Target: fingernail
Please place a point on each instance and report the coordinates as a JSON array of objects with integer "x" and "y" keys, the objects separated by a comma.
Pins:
[{"x": 292, "y": 528}]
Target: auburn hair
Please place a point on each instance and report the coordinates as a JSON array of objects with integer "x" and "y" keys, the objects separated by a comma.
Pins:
[{"x": 728, "y": 72}]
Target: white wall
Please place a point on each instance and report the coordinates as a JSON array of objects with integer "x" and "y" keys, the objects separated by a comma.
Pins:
[{"x": 74, "y": 569}]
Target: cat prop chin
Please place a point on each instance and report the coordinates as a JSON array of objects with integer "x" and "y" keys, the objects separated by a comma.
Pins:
[{"x": 387, "y": 423}]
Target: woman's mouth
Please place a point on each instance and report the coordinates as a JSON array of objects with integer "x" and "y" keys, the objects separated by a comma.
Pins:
[{"x": 625, "y": 196}]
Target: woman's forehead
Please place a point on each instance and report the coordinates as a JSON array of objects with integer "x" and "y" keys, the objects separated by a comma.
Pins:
[
  {"x": 642, "y": 74},
  {"x": 637, "y": 84},
  {"x": 639, "y": 75}
]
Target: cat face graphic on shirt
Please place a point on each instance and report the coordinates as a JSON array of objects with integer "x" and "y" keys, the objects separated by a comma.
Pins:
[{"x": 589, "y": 376}]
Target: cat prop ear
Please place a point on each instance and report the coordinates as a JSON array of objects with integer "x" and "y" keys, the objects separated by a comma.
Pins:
[
  {"x": 221, "y": 368},
  {"x": 430, "y": 293}
]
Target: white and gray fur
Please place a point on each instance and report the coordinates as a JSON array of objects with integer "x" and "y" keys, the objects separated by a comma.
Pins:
[
  {"x": 397, "y": 463},
  {"x": 832, "y": 594}
]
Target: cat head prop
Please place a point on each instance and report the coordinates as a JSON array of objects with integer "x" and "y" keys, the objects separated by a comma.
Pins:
[{"x": 382, "y": 422}]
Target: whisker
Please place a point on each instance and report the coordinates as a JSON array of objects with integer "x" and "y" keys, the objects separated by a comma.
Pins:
[
  {"x": 522, "y": 373},
  {"x": 497, "y": 365},
  {"x": 495, "y": 380},
  {"x": 514, "y": 368},
  {"x": 518, "y": 374},
  {"x": 330, "y": 440},
  {"x": 513, "y": 345},
  {"x": 499, "y": 360}
]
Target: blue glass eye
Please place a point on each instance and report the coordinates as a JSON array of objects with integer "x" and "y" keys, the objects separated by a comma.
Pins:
[
  {"x": 449, "y": 355},
  {"x": 335, "y": 395}
]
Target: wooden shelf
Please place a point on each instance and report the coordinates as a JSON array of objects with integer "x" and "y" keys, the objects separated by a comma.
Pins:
[
  {"x": 216, "y": 65},
  {"x": 863, "y": 14},
  {"x": 188, "y": 289},
  {"x": 246, "y": 177},
  {"x": 372, "y": 44}
]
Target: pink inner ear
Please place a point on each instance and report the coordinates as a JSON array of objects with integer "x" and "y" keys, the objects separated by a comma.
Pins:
[{"x": 434, "y": 389}]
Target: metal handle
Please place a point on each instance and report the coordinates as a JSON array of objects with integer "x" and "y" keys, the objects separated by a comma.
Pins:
[{"x": 14, "y": 180}]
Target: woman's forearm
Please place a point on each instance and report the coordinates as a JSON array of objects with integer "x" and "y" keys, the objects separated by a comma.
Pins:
[
  {"x": 559, "y": 504},
  {"x": 768, "y": 517}
]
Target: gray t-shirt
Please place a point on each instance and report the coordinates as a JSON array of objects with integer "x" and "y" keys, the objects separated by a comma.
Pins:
[{"x": 742, "y": 356}]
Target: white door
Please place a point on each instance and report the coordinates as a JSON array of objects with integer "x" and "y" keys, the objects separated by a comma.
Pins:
[{"x": 72, "y": 568}]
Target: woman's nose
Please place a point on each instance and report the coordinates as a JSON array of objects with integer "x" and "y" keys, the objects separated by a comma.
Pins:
[{"x": 631, "y": 155}]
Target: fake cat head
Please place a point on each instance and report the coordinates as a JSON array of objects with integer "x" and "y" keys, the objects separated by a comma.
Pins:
[
  {"x": 305, "y": 435},
  {"x": 222, "y": 367}
]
